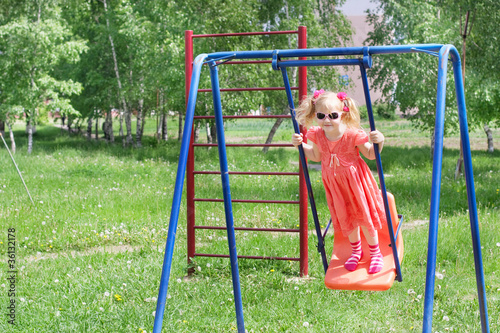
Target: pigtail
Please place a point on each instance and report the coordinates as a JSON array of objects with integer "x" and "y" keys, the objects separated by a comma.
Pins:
[
  {"x": 351, "y": 118},
  {"x": 305, "y": 113}
]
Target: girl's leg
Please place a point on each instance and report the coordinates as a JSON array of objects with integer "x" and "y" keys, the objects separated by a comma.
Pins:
[
  {"x": 376, "y": 259},
  {"x": 355, "y": 240}
]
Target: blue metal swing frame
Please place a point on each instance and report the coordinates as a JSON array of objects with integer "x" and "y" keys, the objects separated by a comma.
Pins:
[{"x": 439, "y": 50}]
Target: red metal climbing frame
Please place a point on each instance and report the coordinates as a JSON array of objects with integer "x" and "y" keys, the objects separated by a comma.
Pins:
[{"x": 191, "y": 172}]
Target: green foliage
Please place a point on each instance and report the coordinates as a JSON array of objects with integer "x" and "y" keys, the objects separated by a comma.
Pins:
[
  {"x": 414, "y": 22},
  {"x": 31, "y": 50}
]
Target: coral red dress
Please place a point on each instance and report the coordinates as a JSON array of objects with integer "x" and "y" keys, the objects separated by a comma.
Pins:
[{"x": 351, "y": 190}]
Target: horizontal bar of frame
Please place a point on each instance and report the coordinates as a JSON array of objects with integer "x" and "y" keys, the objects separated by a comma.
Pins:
[
  {"x": 245, "y": 257},
  {"x": 246, "y": 116},
  {"x": 321, "y": 62},
  {"x": 248, "y": 229},
  {"x": 248, "y": 173},
  {"x": 249, "y": 89},
  {"x": 248, "y": 34},
  {"x": 244, "y": 62},
  {"x": 250, "y": 201},
  {"x": 245, "y": 145},
  {"x": 338, "y": 51}
]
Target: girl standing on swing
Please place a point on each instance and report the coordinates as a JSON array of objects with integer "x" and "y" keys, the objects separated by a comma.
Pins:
[{"x": 353, "y": 197}]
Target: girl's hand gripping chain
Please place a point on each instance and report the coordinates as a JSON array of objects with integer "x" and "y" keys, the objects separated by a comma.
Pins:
[{"x": 297, "y": 139}]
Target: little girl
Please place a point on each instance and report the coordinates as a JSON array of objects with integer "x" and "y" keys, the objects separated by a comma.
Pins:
[{"x": 352, "y": 193}]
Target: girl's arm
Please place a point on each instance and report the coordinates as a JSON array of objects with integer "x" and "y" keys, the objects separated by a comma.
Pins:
[
  {"x": 311, "y": 151},
  {"x": 368, "y": 149}
]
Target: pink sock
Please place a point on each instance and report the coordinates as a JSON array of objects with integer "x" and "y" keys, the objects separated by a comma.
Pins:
[
  {"x": 356, "y": 255},
  {"x": 377, "y": 261}
]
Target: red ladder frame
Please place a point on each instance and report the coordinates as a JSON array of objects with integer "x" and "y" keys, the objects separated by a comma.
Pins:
[{"x": 302, "y": 202}]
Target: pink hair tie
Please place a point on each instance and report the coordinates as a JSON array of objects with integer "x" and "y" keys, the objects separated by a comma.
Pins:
[
  {"x": 342, "y": 96},
  {"x": 316, "y": 95}
]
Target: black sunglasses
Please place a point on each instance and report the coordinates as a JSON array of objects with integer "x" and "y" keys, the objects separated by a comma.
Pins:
[{"x": 322, "y": 116}]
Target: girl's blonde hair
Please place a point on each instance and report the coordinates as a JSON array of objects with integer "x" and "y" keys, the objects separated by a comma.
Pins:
[{"x": 306, "y": 112}]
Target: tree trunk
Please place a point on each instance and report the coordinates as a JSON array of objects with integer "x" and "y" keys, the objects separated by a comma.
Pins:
[
  {"x": 143, "y": 122},
  {"x": 209, "y": 134},
  {"x": 270, "y": 136},
  {"x": 213, "y": 131},
  {"x": 70, "y": 123},
  {"x": 12, "y": 141},
  {"x": 89, "y": 128},
  {"x": 97, "y": 129},
  {"x": 30, "y": 137},
  {"x": 138, "y": 129},
  {"x": 180, "y": 126},
  {"x": 159, "y": 124},
  {"x": 109, "y": 126},
  {"x": 128, "y": 140},
  {"x": 197, "y": 127},
  {"x": 164, "y": 128},
  {"x": 140, "y": 117},
  {"x": 489, "y": 135},
  {"x": 121, "y": 125},
  {"x": 128, "y": 125},
  {"x": 460, "y": 161}
]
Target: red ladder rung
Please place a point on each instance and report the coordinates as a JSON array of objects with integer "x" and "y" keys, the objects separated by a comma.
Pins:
[
  {"x": 245, "y": 257},
  {"x": 246, "y": 228},
  {"x": 249, "y": 201},
  {"x": 248, "y": 173}
]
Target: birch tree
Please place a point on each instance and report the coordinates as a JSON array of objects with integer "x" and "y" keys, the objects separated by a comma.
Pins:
[{"x": 31, "y": 50}]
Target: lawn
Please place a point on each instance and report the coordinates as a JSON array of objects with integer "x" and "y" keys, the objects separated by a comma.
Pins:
[{"x": 89, "y": 253}]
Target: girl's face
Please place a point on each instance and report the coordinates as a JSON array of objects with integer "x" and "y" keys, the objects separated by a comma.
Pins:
[{"x": 328, "y": 119}]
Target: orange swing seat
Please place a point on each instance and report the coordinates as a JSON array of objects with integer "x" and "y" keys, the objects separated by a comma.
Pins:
[{"x": 337, "y": 277}]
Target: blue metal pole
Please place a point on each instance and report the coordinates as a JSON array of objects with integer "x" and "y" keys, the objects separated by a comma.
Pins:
[
  {"x": 321, "y": 245},
  {"x": 471, "y": 193},
  {"x": 176, "y": 201},
  {"x": 319, "y": 52},
  {"x": 381, "y": 178},
  {"x": 227, "y": 196},
  {"x": 435, "y": 190},
  {"x": 321, "y": 62}
]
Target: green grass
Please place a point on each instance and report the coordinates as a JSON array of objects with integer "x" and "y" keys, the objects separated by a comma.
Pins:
[{"x": 89, "y": 254}]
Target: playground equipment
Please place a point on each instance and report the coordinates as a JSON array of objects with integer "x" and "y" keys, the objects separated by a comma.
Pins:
[{"x": 277, "y": 56}]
